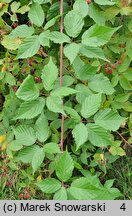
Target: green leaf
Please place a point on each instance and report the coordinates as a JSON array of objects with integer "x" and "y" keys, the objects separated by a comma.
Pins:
[
  {"x": 91, "y": 189},
  {"x": 129, "y": 48},
  {"x": 98, "y": 35},
  {"x": 130, "y": 25},
  {"x": 28, "y": 90},
  {"x": 30, "y": 109},
  {"x": 73, "y": 114},
  {"x": 23, "y": 9},
  {"x": 109, "y": 119},
  {"x": 71, "y": 51},
  {"x": 38, "y": 158},
  {"x": 83, "y": 93},
  {"x": 81, "y": 6},
  {"x": 98, "y": 136},
  {"x": 15, "y": 145},
  {"x": 52, "y": 148},
  {"x": 36, "y": 14},
  {"x": 58, "y": 37},
  {"x": 92, "y": 52},
  {"x": 10, "y": 79},
  {"x": 49, "y": 185},
  {"x": 26, "y": 155},
  {"x": 14, "y": 6},
  {"x": 63, "y": 91},
  {"x": 42, "y": 129},
  {"x": 51, "y": 22},
  {"x": 55, "y": 104},
  {"x": 85, "y": 188},
  {"x": 86, "y": 72},
  {"x": 80, "y": 134},
  {"x": 11, "y": 43},
  {"x": 125, "y": 65},
  {"x": 117, "y": 150},
  {"x": 100, "y": 83},
  {"x": 68, "y": 80},
  {"x": 49, "y": 75},
  {"x": 96, "y": 14},
  {"x": 25, "y": 135},
  {"x": 73, "y": 23},
  {"x": 91, "y": 105},
  {"x": 64, "y": 167},
  {"x": 104, "y": 2},
  {"x": 29, "y": 47},
  {"x": 22, "y": 31},
  {"x": 111, "y": 12},
  {"x": 125, "y": 83},
  {"x": 61, "y": 194},
  {"x": 43, "y": 38},
  {"x": 41, "y": 1}
]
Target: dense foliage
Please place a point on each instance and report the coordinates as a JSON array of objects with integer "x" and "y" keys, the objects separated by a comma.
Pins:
[{"x": 65, "y": 97}]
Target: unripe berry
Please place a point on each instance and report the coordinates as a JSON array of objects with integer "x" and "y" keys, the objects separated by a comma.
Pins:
[
  {"x": 119, "y": 61},
  {"x": 1, "y": 5}
]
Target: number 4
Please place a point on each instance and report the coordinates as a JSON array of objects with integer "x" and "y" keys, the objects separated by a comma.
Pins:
[{"x": 123, "y": 207}]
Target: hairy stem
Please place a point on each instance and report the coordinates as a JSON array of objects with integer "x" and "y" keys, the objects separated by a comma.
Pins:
[{"x": 61, "y": 73}]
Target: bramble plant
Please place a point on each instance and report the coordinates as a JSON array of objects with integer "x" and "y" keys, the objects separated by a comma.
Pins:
[{"x": 65, "y": 96}]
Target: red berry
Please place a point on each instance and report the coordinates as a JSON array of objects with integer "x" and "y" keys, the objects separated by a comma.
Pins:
[
  {"x": 38, "y": 79},
  {"x": 21, "y": 81},
  {"x": 107, "y": 160},
  {"x": 89, "y": 1},
  {"x": 29, "y": 61},
  {"x": 8, "y": 184},
  {"x": 7, "y": 161},
  {"x": 113, "y": 67},
  {"x": 98, "y": 161},
  {"x": 14, "y": 25},
  {"x": 110, "y": 72},
  {"x": 119, "y": 61},
  {"x": 25, "y": 196},
  {"x": 103, "y": 163},
  {"x": 23, "y": 71},
  {"x": 28, "y": 196},
  {"x": 5, "y": 168},
  {"x": 107, "y": 70},
  {"x": 106, "y": 65},
  {"x": 21, "y": 196},
  {"x": 4, "y": 175},
  {"x": 14, "y": 88}
]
